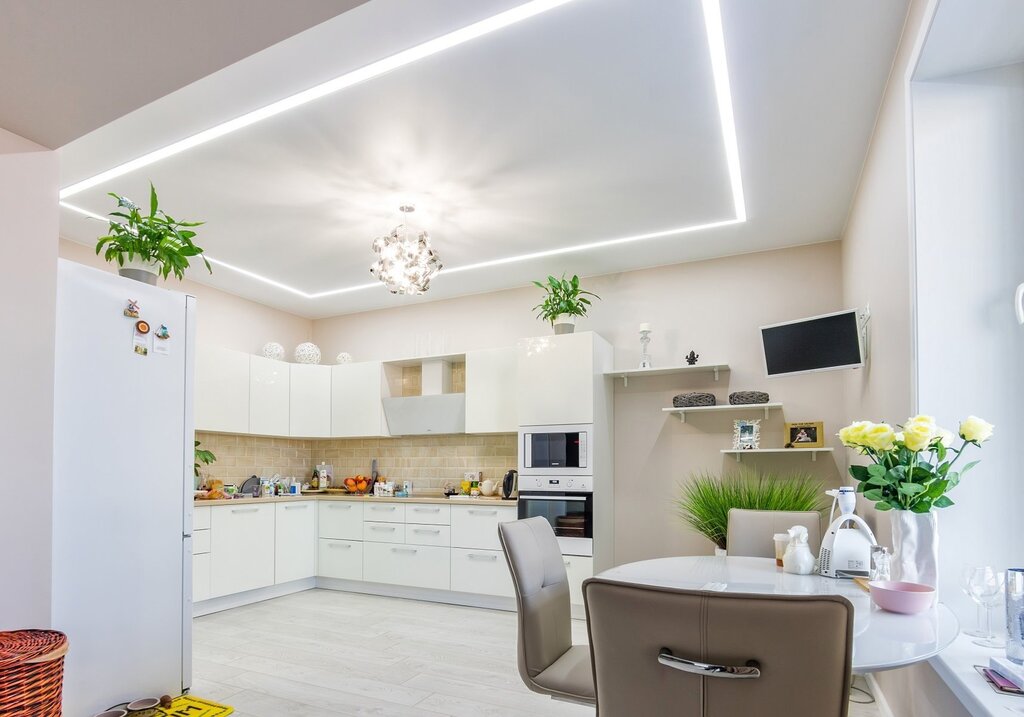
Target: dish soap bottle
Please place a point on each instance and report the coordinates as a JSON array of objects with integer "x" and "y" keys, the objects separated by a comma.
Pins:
[{"x": 798, "y": 559}]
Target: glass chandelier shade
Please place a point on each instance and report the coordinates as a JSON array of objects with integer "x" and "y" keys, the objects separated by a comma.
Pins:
[{"x": 405, "y": 260}]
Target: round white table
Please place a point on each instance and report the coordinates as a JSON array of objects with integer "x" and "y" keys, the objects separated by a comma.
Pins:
[{"x": 881, "y": 640}]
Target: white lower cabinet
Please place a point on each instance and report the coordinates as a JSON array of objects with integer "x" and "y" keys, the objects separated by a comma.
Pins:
[
  {"x": 428, "y": 535},
  {"x": 340, "y": 519},
  {"x": 477, "y": 526},
  {"x": 383, "y": 532},
  {"x": 294, "y": 541},
  {"x": 481, "y": 571},
  {"x": 200, "y": 577},
  {"x": 342, "y": 559},
  {"x": 427, "y": 513},
  {"x": 578, "y": 568},
  {"x": 419, "y": 566},
  {"x": 241, "y": 548}
]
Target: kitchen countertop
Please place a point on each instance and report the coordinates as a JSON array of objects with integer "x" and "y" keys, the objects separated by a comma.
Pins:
[{"x": 365, "y": 498}]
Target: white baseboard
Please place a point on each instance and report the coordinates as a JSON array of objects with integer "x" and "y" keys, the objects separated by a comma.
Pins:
[
  {"x": 493, "y": 602},
  {"x": 227, "y": 602},
  {"x": 876, "y": 691}
]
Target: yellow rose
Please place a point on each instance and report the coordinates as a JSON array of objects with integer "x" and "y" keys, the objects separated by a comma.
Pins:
[
  {"x": 946, "y": 437},
  {"x": 975, "y": 429},
  {"x": 919, "y": 432},
  {"x": 879, "y": 436},
  {"x": 853, "y": 435}
]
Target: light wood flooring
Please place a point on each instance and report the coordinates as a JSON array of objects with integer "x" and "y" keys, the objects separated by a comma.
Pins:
[{"x": 323, "y": 653}]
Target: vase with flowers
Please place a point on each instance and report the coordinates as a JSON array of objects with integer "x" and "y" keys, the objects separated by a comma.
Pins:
[{"x": 912, "y": 469}]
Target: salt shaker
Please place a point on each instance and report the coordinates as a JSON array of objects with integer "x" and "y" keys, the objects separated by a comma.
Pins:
[{"x": 881, "y": 562}]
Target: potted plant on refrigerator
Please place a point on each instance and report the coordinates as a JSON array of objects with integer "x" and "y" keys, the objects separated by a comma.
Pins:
[
  {"x": 910, "y": 473},
  {"x": 564, "y": 300},
  {"x": 146, "y": 246}
]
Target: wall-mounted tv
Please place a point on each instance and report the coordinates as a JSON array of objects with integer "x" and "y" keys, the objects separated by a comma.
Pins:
[{"x": 820, "y": 343}]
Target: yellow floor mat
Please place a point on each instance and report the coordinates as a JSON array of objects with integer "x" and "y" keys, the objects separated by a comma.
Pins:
[{"x": 192, "y": 706}]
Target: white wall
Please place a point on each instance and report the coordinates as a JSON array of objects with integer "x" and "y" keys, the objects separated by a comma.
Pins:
[
  {"x": 28, "y": 294},
  {"x": 969, "y": 180}
]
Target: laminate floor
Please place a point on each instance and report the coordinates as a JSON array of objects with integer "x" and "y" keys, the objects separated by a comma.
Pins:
[{"x": 323, "y": 653}]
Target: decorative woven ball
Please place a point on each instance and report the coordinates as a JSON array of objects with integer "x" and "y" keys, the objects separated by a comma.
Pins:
[
  {"x": 742, "y": 398},
  {"x": 344, "y": 357},
  {"x": 307, "y": 352},
  {"x": 694, "y": 399},
  {"x": 273, "y": 350}
]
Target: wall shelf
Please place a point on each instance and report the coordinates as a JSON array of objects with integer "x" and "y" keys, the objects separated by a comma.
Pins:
[
  {"x": 681, "y": 412},
  {"x": 813, "y": 451},
  {"x": 628, "y": 373}
]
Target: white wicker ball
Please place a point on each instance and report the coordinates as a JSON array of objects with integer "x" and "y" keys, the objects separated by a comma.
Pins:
[
  {"x": 344, "y": 357},
  {"x": 307, "y": 353},
  {"x": 273, "y": 350}
]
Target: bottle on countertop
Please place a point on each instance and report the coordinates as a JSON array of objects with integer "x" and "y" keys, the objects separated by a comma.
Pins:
[{"x": 325, "y": 475}]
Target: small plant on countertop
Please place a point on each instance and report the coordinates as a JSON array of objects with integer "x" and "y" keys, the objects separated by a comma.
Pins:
[
  {"x": 154, "y": 238},
  {"x": 203, "y": 456},
  {"x": 705, "y": 499},
  {"x": 563, "y": 297}
]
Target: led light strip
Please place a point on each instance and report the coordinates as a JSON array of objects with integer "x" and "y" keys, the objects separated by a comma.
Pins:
[{"x": 723, "y": 94}]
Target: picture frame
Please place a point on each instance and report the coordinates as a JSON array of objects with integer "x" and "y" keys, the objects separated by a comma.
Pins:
[
  {"x": 746, "y": 435},
  {"x": 805, "y": 434}
]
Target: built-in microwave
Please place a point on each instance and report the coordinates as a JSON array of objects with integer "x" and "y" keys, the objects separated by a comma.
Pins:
[{"x": 566, "y": 449}]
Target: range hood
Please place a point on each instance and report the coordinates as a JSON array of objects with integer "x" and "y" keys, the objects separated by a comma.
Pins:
[{"x": 436, "y": 411}]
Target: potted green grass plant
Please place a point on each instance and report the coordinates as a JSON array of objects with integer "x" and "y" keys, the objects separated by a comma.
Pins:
[
  {"x": 705, "y": 499},
  {"x": 148, "y": 245},
  {"x": 564, "y": 300}
]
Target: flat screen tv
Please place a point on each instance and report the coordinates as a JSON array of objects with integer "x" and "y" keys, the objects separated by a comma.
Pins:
[{"x": 820, "y": 343}]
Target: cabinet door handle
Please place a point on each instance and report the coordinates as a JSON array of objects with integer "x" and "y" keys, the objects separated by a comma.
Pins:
[
  {"x": 338, "y": 545},
  {"x": 382, "y": 507},
  {"x": 382, "y": 527},
  {"x": 404, "y": 550},
  {"x": 427, "y": 510},
  {"x": 480, "y": 556},
  {"x": 244, "y": 510},
  {"x": 341, "y": 506},
  {"x": 482, "y": 512},
  {"x": 296, "y": 507},
  {"x": 435, "y": 531},
  {"x": 568, "y": 564}
]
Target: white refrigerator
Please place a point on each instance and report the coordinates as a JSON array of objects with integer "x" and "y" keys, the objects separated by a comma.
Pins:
[{"x": 122, "y": 488}]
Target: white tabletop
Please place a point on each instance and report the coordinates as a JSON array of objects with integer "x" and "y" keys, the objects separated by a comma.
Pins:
[{"x": 881, "y": 640}]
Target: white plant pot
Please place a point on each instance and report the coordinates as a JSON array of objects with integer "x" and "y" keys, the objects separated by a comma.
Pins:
[
  {"x": 915, "y": 542},
  {"x": 564, "y": 324},
  {"x": 720, "y": 552},
  {"x": 144, "y": 271}
]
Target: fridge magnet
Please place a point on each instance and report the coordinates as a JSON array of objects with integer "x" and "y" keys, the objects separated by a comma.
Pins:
[
  {"x": 132, "y": 310},
  {"x": 140, "y": 347},
  {"x": 163, "y": 348},
  {"x": 142, "y": 327},
  {"x": 163, "y": 332}
]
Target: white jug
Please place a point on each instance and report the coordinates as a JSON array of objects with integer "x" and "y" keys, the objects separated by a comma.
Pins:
[{"x": 798, "y": 558}]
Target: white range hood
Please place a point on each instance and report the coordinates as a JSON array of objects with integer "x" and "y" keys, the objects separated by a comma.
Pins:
[{"x": 434, "y": 411}]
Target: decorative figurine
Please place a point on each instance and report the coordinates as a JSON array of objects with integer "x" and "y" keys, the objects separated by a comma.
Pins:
[
  {"x": 691, "y": 358},
  {"x": 163, "y": 332},
  {"x": 645, "y": 339},
  {"x": 132, "y": 310}
]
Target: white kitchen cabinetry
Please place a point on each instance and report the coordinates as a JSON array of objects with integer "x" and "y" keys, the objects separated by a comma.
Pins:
[
  {"x": 200, "y": 577},
  {"x": 383, "y": 532},
  {"x": 491, "y": 395},
  {"x": 310, "y": 401},
  {"x": 294, "y": 541},
  {"x": 356, "y": 393},
  {"x": 241, "y": 548},
  {"x": 340, "y": 519},
  {"x": 412, "y": 565},
  {"x": 477, "y": 526},
  {"x": 341, "y": 559},
  {"x": 269, "y": 396},
  {"x": 428, "y": 514},
  {"x": 385, "y": 513},
  {"x": 222, "y": 390},
  {"x": 200, "y": 554},
  {"x": 555, "y": 381},
  {"x": 484, "y": 572},
  {"x": 428, "y": 535},
  {"x": 578, "y": 569}
]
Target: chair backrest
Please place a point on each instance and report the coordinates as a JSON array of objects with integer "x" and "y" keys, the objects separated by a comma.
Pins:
[
  {"x": 750, "y": 532},
  {"x": 542, "y": 593},
  {"x": 801, "y": 646}
]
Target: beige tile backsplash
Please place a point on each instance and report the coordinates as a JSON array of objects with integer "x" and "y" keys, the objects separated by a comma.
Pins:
[{"x": 428, "y": 461}]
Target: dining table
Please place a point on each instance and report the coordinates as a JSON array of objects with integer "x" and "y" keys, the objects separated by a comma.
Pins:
[{"x": 881, "y": 640}]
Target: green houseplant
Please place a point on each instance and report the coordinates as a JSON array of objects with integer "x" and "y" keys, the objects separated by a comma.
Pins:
[
  {"x": 564, "y": 300},
  {"x": 147, "y": 245},
  {"x": 705, "y": 499},
  {"x": 203, "y": 456}
]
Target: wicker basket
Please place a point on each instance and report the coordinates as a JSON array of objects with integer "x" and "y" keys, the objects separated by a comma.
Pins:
[
  {"x": 31, "y": 673},
  {"x": 742, "y": 398},
  {"x": 693, "y": 400}
]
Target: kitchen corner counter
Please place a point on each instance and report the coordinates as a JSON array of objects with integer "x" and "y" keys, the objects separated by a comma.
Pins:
[{"x": 434, "y": 499}]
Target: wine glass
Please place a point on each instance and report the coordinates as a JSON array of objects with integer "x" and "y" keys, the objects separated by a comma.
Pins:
[
  {"x": 965, "y": 582},
  {"x": 985, "y": 587}
]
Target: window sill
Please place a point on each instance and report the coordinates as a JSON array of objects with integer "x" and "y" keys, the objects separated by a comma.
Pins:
[{"x": 955, "y": 665}]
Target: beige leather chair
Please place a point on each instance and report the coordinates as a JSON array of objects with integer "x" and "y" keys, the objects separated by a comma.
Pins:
[
  {"x": 662, "y": 651},
  {"x": 548, "y": 661},
  {"x": 750, "y": 532}
]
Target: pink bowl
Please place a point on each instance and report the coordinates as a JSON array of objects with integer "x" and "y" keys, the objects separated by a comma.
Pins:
[{"x": 906, "y": 598}]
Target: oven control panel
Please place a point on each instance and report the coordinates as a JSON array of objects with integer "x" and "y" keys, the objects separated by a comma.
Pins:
[{"x": 556, "y": 483}]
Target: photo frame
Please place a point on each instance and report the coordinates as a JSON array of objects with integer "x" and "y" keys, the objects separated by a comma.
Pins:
[
  {"x": 746, "y": 435},
  {"x": 807, "y": 434}
]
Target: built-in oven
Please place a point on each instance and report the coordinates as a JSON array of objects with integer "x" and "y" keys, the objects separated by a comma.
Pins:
[
  {"x": 566, "y": 449},
  {"x": 567, "y": 504}
]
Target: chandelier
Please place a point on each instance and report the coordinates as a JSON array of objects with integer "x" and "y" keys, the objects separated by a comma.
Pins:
[{"x": 405, "y": 260}]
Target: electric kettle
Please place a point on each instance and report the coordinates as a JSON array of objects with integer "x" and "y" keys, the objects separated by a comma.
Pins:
[{"x": 510, "y": 484}]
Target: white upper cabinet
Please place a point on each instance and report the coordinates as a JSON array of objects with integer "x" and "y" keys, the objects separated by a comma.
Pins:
[
  {"x": 310, "y": 401},
  {"x": 222, "y": 390},
  {"x": 555, "y": 380},
  {"x": 269, "y": 396},
  {"x": 491, "y": 403},
  {"x": 356, "y": 393}
]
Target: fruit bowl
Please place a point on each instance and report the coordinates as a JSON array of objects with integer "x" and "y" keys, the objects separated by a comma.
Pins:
[
  {"x": 357, "y": 484},
  {"x": 901, "y": 597}
]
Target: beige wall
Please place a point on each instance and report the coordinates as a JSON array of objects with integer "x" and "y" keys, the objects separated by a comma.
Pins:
[
  {"x": 223, "y": 319},
  {"x": 28, "y": 293},
  {"x": 714, "y": 307}
]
